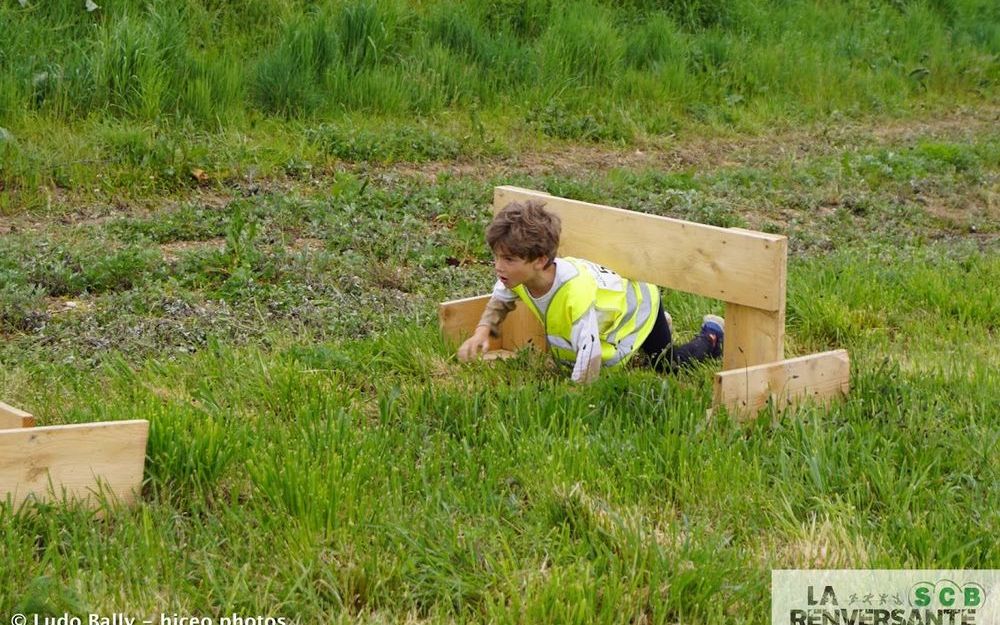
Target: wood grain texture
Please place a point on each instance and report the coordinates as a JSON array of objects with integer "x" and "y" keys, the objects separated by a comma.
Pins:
[
  {"x": 753, "y": 336},
  {"x": 73, "y": 461},
  {"x": 458, "y": 319},
  {"x": 11, "y": 417},
  {"x": 820, "y": 377},
  {"x": 729, "y": 264},
  {"x": 522, "y": 328}
]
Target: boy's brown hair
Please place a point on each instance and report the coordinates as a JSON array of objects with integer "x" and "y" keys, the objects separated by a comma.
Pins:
[{"x": 525, "y": 230}]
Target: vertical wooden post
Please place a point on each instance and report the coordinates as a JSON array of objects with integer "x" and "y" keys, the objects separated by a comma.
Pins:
[
  {"x": 756, "y": 336},
  {"x": 753, "y": 336}
]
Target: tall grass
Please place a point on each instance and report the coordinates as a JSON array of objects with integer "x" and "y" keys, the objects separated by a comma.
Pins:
[
  {"x": 232, "y": 88},
  {"x": 375, "y": 480},
  {"x": 214, "y": 62}
]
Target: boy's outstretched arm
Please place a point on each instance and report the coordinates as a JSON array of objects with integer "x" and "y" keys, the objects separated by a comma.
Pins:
[
  {"x": 489, "y": 325},
  {"x": 476, "y": 345}
]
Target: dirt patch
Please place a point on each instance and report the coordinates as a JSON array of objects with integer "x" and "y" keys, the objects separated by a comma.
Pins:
[
  {"x": 69, "y": 209},
  {"x": 770, "y": 148},
  {"x": 174, "y": 250},
  {"x": 969, "y": 211},
  {"x": 60, "y": 305},
  {"x": 307, "y": 244},
  {"x": 711, "y": 153}
]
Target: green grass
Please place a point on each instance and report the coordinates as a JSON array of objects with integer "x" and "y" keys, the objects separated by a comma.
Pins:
[
  {"x": 317, "y": 453},
  {"x": 228, "y": 88},
  {"x": 180, "y": 60}
]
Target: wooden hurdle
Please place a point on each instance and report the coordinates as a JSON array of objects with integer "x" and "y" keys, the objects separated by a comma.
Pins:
[
  {"x": 745, "y": 269},
  {"x": 80, "y": 462}
]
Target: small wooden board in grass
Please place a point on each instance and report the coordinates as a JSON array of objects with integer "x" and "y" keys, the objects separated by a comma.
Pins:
[
  {"x": 83, "y": 462},
  {"x": 821, "y": 378},
  {"x": 458, "y": 318},
  {"x": 12, "y": 418}
]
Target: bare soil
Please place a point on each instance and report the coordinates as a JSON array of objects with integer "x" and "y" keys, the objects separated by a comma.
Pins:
[
  {"x": 711, "y": 153},
  {"x": 696, "y": 153}
]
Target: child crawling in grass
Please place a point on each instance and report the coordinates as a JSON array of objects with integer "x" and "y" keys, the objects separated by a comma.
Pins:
[{"x": 592, "y": 316}]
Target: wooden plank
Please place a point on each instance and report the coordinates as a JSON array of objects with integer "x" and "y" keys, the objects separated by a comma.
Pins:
[
  {"x": 75, "y": 461},
  {"x": 520, "y": 329},
  {"x": 458, "y": 319},
  {"x": 11, "y": 417},
  {"x": 753, "y": 337},
  {"x": 819, "y": 377},
  {"x": 732, "y": 265}
]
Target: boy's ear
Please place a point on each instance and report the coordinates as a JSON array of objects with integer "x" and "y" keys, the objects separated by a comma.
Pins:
[{"x": 542, "y": 262}]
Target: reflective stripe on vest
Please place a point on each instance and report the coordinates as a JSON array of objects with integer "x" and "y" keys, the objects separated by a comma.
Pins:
[
  {"x": 628, "y": 344},
  {"x": 559, "y": 342},
  {"x": 631, "y": 302},
  {"x": 626, "y": 311}
]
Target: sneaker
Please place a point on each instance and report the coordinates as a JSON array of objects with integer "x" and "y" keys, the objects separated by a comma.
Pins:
[{"x": 713, "y": 328}]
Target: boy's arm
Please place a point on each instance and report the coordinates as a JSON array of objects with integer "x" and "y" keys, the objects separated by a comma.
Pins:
[
  {"x": 489, "y": 325},
  {"x": 496, "y": 311},
  {"x": 587, "y": 345}
]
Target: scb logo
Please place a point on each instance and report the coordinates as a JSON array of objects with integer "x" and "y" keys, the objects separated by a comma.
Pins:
[{"x": 946, "y": 594}]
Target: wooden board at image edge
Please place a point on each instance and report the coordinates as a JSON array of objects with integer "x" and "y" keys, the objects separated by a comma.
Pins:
[{"x": 73, "y": 462}]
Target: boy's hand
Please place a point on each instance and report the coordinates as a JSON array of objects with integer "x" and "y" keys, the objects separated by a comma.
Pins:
[{"x": 476, "y": 345}]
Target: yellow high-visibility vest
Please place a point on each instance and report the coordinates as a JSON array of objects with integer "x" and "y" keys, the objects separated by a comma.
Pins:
[{"x": 626, "y": 311}]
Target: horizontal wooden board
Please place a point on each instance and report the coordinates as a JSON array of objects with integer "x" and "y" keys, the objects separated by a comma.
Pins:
[
  {"x": 522, "y": 328},
  {"x": 458, "y": 320},
  {"x": 11, "y": 417},
  {"x": 73, "y": 461},
  {"x": 732, "y": 265},
  {"x": 818, "y": 377}
]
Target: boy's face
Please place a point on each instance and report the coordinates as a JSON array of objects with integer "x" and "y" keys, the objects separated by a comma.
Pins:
[{"x": 514, "y": 270}]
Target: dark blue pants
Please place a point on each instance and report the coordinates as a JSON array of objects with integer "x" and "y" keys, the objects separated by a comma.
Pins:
[{"x": 665, "y": 357}]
